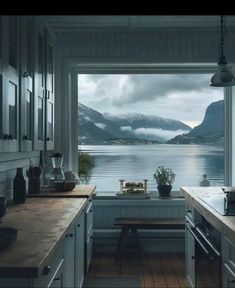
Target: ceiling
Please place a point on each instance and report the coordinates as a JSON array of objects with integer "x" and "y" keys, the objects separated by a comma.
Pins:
[{"x": 77, "y": 23}]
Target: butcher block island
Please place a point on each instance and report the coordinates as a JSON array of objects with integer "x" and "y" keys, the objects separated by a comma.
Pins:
[
  {"x": 209, "y": 237},
  {"x": 49, "y": 249}
]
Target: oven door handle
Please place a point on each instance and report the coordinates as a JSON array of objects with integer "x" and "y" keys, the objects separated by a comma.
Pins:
[
  {"x": 197, "y": 239},
  {"x": 217, "y": 253}
]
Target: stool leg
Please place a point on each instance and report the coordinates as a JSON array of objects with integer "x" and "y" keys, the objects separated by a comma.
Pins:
[
  {"x": 138, "y": 242},
  {"x": 119, "y": 250}
]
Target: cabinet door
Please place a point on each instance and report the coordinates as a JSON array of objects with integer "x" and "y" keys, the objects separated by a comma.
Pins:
[
  {"x": 79, "y": 251},
  {"x": 39, "y": 87},
  {"x": 50, "y": 91},
  {"x": 189, "y": 260},
  {"x": 10, "y": 84},
  {"x": 89, "y": 235},
  {"x": 69, "y": 249},
  {"x": 26, "y": 77}
]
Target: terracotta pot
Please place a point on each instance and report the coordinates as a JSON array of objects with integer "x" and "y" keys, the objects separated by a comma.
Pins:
[{"x": 164, "y": 190}]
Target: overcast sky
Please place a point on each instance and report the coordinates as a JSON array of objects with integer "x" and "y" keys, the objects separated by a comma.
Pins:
[{"x": 180, "y": 97}]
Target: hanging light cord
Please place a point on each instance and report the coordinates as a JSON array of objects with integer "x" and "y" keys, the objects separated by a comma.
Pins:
[{"x": 223, "y": 29}]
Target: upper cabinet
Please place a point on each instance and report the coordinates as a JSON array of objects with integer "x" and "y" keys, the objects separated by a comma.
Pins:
[
  {"x": 44, "y": 89},
  {"x": 26, "y": 84},
  {"x": 50, "y": 40},
  {"x": 9, "y": 85}
]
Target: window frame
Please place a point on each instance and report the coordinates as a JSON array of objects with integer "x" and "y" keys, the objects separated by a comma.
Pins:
[{"x": 73, "y": 68}]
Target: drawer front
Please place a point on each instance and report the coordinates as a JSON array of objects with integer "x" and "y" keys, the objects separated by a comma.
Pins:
[
  {"x": 228, "y": 253},
  {"x": 50, "y": 268}
]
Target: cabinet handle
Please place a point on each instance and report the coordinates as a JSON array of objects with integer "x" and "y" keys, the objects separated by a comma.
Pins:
[
  {"x": 71, "y": 235},
  {"x": 10, "y": 137},
  {"x": 78, "y": 225},
  {"x": 48, "y": 138},
  {"x": 193, "y": 257},
  {"x": 46, "y": 270},
  {"x": 25, "y": 137}
]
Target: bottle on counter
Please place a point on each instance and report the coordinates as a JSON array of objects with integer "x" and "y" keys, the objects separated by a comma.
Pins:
[
  {"x": 19, "y": 187},
  {"x": 204, "y": 182}
]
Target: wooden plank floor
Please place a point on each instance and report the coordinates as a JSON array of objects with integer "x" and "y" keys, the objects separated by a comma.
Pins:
[{"x": 158, "y": 270}]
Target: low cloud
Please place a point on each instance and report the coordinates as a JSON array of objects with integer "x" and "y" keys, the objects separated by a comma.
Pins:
[
  {"x": 125, "y": 128},
  {"x": 88, "y": 118},
  {"x": 100, "y": 125},
  {"x": 165, "y": 134}
]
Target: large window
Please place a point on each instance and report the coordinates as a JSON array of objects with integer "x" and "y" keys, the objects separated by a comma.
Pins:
[{"x": 132, "y": 123}]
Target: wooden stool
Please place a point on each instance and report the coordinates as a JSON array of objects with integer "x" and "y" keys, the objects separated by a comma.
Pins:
[{"x": 132, "y": 224}]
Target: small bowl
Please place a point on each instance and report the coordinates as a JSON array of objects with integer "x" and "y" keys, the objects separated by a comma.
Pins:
[
  {"x": 7, "y": 237},
  {"x": 64, "y": 185}
]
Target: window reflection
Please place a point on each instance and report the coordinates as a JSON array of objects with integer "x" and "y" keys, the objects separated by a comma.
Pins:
[
  {"x": 40, "y": 119},
  {"x": 12, "y": 111},
  {"x": 28, "y": 115},
  {"x": 50, "y": 121},
  {"x": 13, "y": 41}
]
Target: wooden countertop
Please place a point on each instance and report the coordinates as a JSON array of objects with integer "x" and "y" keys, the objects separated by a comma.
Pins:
[
  {"x": 41, "y": 225},
  {"x": 78, "y": 191},
  {"x": 225, "y": 224}
]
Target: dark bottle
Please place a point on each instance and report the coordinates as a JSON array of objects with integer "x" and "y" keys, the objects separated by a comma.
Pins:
[{"x": 19, "y": 187}]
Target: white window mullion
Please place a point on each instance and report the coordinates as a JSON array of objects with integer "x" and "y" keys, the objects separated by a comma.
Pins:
[{"x": 229, "y": 136}]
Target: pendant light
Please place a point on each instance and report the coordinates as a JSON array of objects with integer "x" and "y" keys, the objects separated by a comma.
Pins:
[{"x": 222, "y": 77}]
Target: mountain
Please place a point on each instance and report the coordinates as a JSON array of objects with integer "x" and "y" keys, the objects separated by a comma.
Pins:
[
  {"x": 211, "y": 130},
  {"x": 97, "y": 128},
  {"x": 213, "y": 122}
]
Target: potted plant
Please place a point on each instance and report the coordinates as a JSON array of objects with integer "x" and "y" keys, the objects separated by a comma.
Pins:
[{"x": 164, "y": 178}]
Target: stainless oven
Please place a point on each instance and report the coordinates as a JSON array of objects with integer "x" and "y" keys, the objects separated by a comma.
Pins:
[{"x": 207, "y": 254}]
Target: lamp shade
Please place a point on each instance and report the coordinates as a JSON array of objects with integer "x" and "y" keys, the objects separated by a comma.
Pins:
[{"x": 222, "y": 77}]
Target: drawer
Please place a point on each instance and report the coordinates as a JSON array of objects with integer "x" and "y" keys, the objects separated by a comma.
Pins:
[
  {"x": 50, "y": 269},
  {"x": 228, "y": 249}
]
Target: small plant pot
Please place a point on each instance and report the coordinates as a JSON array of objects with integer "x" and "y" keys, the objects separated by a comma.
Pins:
[{"x": 164, "y": 190}]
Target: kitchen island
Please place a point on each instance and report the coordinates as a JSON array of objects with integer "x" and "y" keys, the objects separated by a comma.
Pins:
[
  {"x": 50, "y": 233},
  {"x": 209, "y": 238}
]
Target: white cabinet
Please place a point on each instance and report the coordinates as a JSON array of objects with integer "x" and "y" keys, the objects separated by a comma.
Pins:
[
  {"x": 27, "y": 28},
  {"x": 74, "y": 254},
  {"x": 26, "y": 84},
  {"x": 44, "y": 89},
  {"x": 228, "y": 263},
  {"x": 79, "y": 251},
  {"x": 88, "y": 235},
  {"x": 189, "y": 255},
  {"x": 9, "y": 84},
  {"x": 49, "y": 275},
  {"x": 69, "y": 249}
]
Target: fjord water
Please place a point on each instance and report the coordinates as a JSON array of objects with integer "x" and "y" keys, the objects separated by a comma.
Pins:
[{"x": 138, "y": 162}]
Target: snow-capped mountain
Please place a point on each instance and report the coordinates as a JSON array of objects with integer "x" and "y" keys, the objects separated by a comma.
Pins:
[{"x": 95, "y": 127}]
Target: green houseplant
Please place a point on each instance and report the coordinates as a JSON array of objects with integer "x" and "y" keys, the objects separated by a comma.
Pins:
[{"x": 164, "y": 178}]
